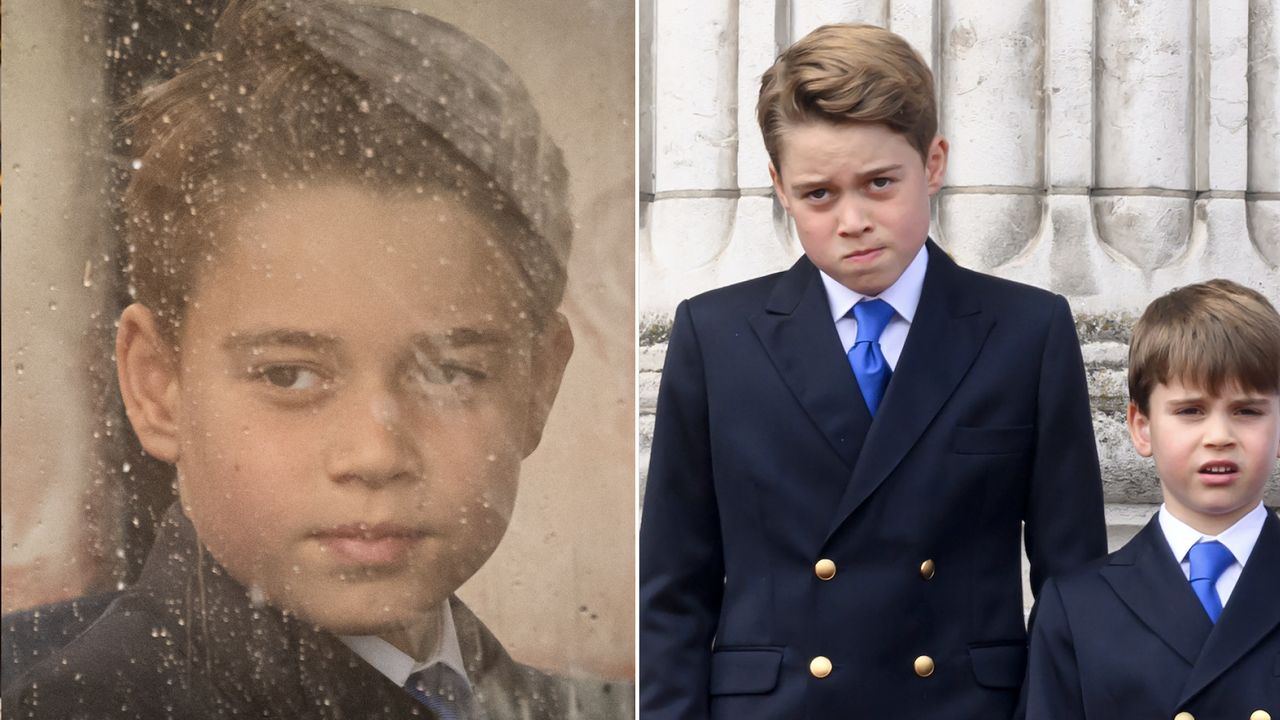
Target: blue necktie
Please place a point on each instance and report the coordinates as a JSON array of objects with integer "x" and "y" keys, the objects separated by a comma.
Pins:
[
  {"x": 866, "y": 358},
  {"x": 443, "y": 691},
  {"x": 1208, "y": 561}
]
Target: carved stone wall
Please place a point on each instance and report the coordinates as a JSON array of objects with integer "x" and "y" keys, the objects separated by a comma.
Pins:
[{"x": 1109, "y": 151}]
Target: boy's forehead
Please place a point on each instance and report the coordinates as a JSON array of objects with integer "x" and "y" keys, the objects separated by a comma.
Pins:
[
  {"x": 824, "y": 139},
  {"x": 330, "y": 259},
  {"x": 1187, "y": 386}
]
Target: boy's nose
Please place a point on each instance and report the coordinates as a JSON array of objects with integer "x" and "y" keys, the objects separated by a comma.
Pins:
[
  {"x": 1218, "y": 431},
  {"x": 853, "y": 218},
  {"x": 373, "y": 445}
]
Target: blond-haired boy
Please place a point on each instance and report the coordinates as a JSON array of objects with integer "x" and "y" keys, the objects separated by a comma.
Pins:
[
  {"x": 347, "y": 234},
  {"x": 1183, "y": 621},
  {"x": 846, "y": 453}
]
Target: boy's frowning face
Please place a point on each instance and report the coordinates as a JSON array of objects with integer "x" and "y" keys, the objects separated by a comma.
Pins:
[
  {"x": 1213, "y": 454},
  {"x": 359, "y": 381},
  {"x": 859, "y": 195}
]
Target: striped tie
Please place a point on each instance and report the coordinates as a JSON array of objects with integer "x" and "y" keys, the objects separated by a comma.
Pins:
[{"x": 443, "y": 691}]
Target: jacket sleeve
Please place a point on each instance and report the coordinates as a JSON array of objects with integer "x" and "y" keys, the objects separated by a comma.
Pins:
[
  {"x": 681, "y": 557},
  {"x": 1064, "y": 524},
  {"x": 1053, "y": 688}
]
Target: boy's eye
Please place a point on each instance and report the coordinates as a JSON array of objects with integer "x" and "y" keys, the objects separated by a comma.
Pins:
[
  {"x": 291, "y": 377},
  {"x": 438, "y": 371},
  {"x": 818, "y": 194},
  {"x": 881, "y": 183},
  {"x": 1189, "y": 411},
  {"x": 447, "y": 374}
]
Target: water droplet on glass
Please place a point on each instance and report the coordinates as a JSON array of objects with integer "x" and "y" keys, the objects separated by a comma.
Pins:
[
  {"x": 19, "y": 368},
  {"x": 136, "y": 164}
]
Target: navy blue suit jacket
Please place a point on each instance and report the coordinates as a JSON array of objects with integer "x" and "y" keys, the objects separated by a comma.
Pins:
[
  {"x": 1128, "y": 639},
  {"x": 765, "y": 460},
  {"x": 187, "y": 642}
]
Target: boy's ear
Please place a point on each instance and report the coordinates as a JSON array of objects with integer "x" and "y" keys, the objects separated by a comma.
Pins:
[
  {"x": 148, "y": 375},
  {"x": 551, "y": 350},
  {"x": 1139, "y": 430},
  {"x": 935, "y": 163},
  {"x": 777, "y": 187}
]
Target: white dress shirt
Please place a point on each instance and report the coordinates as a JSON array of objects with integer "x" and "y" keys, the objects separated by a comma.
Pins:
[
  {"x": 1239, "y": 539},
  {"x": 397, "y": 665},
  {"x": 903, "y": 295}
]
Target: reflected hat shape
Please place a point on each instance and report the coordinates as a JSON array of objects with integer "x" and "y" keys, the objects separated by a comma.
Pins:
[{"x": 455, "y": 86}]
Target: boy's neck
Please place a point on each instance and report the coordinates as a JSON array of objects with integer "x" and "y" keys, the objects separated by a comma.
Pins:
[
  {"x": 419, "y": 639},
  {"x": 1211, "y": 525}
]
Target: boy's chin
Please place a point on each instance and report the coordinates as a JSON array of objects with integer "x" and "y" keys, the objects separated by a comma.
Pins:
[{"x": 358, "y": 614}]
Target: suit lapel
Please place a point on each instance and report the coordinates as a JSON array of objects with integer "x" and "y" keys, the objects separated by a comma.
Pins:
[
  {"x": 801, "y": 340},
  {"x": 946, "y": 334},
  {"x": 1146, "y": 577},
  {"x": 259, "y": 660},
  {"x": 1250, "y": 614}
]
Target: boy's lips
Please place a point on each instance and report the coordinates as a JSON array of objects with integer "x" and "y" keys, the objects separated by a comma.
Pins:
[
  {"x": 862, "y": 256},
  {"x": 369, "y": 544},
  {"x": 1218, "y": 472}
]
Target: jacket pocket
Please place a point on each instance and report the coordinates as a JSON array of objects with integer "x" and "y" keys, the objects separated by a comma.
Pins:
[
  {"x": 747, "y": 671},
  {"x": 992, "y": 440},
  {"x": 999, "y": 666}
]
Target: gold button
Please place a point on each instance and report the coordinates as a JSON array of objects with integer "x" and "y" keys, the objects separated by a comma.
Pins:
[
  {"x": 926, "y": 569},
  {"x": 819, "y": 667},
  {"x": 1260, "y": 715},
  {"x": 924, "y": 666},
  {"x": 824, "y": 569},
  {"x": 1184, "y": 716}
]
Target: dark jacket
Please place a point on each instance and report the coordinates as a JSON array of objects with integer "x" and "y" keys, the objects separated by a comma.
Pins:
[
  {"x": 765, "y": 461},
  {"x": 186, "y": 642},
  {"x": 1128, "y": 638}
]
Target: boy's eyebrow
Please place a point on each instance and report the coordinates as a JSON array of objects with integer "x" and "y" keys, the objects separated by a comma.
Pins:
[
  {"x": 320, "y": 342},
  {"x": 881, "y": 170},
  {"x": 874, "y": 172},
  {"x": 1251, "y": 400},
  {"x": 239, "y": 342},
  {"x": 463, "y": 337},
  {"x": 1204, "y": 397}
]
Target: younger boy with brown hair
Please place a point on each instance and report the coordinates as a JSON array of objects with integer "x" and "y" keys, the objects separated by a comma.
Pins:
[
  {"x": 847, "y": 452},
  {"x": 347, "y": 241},
  {"x": 1183, "y": 621}
]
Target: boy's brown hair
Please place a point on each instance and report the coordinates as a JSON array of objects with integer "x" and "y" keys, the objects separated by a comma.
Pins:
[
  {"x": 1211, "y": 335},
  {"x": 849, "y": 74},
  {"x": 296, "y": 93}
]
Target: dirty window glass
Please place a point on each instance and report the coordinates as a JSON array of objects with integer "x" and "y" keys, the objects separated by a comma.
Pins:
[{"x": 318, "y": 378}]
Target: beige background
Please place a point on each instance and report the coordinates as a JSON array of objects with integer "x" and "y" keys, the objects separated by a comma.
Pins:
[{"x": 559, "y": 591}]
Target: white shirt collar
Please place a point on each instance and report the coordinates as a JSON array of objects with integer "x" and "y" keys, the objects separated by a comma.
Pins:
[
  {"x": 903, "y": 295},
  {"x": 397, "y": 665},
  {"x": 1239, "y": 538}
]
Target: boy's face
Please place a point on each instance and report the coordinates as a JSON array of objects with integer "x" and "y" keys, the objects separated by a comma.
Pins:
[
  {"x": 859, "y": 195},
  {"x": 1213, "y": 454},
  {"x": 359, "y": 381}
]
